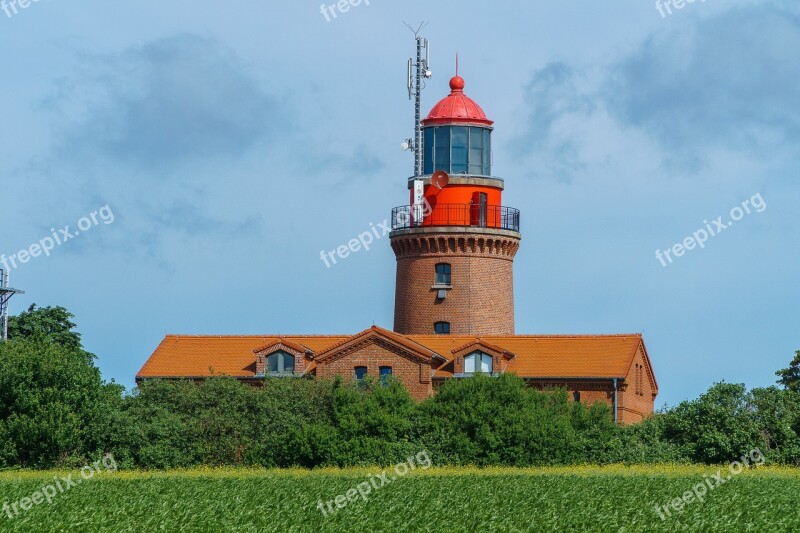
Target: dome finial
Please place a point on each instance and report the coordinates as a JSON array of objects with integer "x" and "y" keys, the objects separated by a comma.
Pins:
[{"x": 457, "y": 82}]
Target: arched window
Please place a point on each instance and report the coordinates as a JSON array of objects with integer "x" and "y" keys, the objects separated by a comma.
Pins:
[
  {"x": 441, "y": 328},
  {"x": 280, "y": 362},
  {"x": 478, "y": 362},
  {"x": 443, "y": 271}
]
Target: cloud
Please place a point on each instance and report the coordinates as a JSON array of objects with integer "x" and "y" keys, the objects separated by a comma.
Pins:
[
  {"x": 726, "y": 82},
  {"x": 729, "y": 82},
  {"x": 553, "y": 97},
  {"x": 180, "y": 99},
  {"x": 361, "y": 161}
]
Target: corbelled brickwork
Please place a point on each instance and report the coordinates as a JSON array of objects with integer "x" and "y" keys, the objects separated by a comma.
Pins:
[{"x": 481, "y": 298}]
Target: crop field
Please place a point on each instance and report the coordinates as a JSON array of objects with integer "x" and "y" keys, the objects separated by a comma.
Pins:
[{"x": 614, "y": 498}]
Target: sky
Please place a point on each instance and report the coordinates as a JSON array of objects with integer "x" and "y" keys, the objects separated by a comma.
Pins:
[{"x": 207, "y": 152}]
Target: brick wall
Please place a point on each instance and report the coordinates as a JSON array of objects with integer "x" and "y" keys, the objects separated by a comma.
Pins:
[
  {"x": 481, "y": 301},
  {"x": 636, "y": 400},
  {"x": 415, "y": 375},
  {"x": 632, "y": 406}
]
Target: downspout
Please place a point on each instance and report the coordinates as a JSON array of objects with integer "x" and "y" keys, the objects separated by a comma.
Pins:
[{"x": 616, "y": 417}]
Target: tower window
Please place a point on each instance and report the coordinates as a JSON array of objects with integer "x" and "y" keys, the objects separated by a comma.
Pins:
[
  {"x": 459, "y": 160},
  {"x": 280, "y": 363},
  {"x": 478, "y": 362},
  {"x": 361, "y": 373},
  {"x": 443, "y": 274},
  {"x": 457, "y": 150},
  {"x": 386, "y": 373},
  {"x": 442, "y": 328}
]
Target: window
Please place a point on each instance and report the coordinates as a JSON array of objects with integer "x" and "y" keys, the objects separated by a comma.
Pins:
[
  {"x": 443, "y": 274},
  {"x": 361, "y": 373},
  {"x": 441, "y": 328},
  {"x": 427, "y": 156},
  {"x": 639, "y": 379},
  {"x": 478, "y": 362},
  {"x": 442, "y": 149},
  {"x": 457, "y": 150},
  {"x": 576, "y": 396},
  {"x": 476, "y": 153},
  {"x": 280, "y": 362},
  {"x": 386, "y": 373},
  {"x": 460, "y": 142}
]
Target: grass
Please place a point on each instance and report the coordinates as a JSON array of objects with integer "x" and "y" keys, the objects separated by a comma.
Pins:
[{"x": 614, "y": 498}]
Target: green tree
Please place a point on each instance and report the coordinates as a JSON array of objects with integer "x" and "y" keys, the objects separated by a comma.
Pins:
[
  {"x": 717, "y": 427},
  {"x": 46, "y": 323},
  {"x": 500, "y": 420},
  {"x": 790, "y": 377},
  {"x": 50, "y": 400}
]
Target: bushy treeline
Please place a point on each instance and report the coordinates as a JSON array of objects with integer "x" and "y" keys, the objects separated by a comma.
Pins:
[{"x": 56, "y": 411}]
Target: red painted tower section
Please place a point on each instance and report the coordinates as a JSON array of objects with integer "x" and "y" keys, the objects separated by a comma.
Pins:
[{"x": 455, "y": 249}]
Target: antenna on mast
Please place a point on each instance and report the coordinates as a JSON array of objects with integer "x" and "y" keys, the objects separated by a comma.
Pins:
[
  {"x": 6, "y": 293},
  {"x": 415, "y": 83}
]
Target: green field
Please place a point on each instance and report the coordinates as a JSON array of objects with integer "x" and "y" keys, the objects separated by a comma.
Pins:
[{"x": 612, "y": 498}]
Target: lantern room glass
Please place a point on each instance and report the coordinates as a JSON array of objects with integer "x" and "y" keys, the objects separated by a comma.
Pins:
[{"x": 457, "y": 150}]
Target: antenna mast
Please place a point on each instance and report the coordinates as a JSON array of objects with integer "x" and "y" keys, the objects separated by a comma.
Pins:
[
  {"x": 6, "y": 293},
  {"x": 415, "y": 84}
]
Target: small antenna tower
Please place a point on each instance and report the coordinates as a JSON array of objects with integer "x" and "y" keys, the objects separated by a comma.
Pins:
[
  {"x": 416, "y": 82},
  {"x": 6, "y": 293}
]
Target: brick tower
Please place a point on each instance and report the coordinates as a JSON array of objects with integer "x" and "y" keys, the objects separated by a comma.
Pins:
[{"x": 455, "y": 243}]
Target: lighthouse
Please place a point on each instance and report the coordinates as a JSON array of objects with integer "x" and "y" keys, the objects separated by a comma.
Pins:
[{"x": 455, "y": 241}]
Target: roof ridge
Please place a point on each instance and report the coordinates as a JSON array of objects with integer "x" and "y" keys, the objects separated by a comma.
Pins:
[{"x": 260, "y": 336}]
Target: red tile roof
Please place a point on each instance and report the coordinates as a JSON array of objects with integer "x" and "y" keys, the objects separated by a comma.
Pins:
[
  {"x": 605, "y": 356},
  {"x": 203, "y": 356},
  {"x": 537, "y": 356}
]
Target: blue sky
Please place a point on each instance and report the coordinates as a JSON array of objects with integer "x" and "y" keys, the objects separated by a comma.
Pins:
[{"x": 235, "y": 141}]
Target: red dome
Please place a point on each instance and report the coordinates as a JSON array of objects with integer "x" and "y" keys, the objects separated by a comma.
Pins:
[{"x": 457, "y": 107}]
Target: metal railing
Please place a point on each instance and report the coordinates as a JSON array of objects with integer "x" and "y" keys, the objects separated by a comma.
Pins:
[{"x": 466, "y": 215}]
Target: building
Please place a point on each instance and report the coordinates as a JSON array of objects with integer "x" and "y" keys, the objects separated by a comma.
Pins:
[{"x": 455, "y": 244}]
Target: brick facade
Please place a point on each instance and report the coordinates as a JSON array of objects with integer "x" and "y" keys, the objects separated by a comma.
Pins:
[
  {"x": 480, "y": 299},
  {"x": 413, "y": 372},
  {"x": 637, "y": 399},
  {"x": 300, "y": 362}
]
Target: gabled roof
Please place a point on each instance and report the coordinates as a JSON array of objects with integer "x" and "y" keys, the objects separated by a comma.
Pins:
[
  {"x": 536, "y": 356},
  {"x": 401, "y": 341},
  {"x": 480, "y": 344},
  {"x": 283, "y": 343}
]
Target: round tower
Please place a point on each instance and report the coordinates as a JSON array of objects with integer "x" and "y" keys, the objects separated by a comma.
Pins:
[{"x": 455, "y": 242}]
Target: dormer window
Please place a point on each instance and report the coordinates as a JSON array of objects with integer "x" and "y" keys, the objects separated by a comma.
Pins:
[
  {"x": 280, "y": 363},
  {"x": 478, "y": 362}
]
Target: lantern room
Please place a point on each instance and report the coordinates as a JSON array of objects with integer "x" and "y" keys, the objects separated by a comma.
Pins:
[{"x": 457, "y": 135}]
